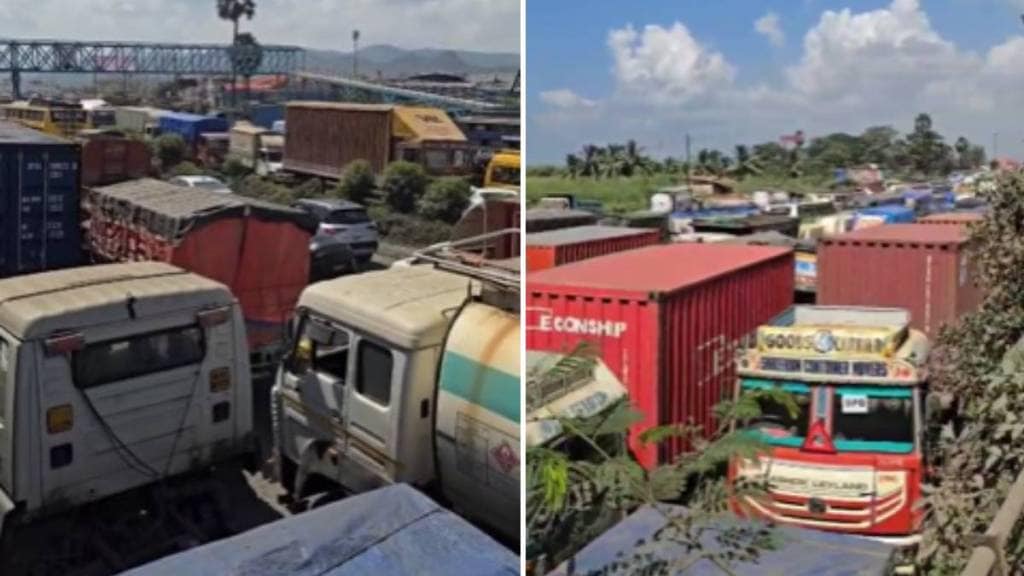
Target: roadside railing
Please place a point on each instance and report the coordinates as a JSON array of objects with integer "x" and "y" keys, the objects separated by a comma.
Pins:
[{"x": 989, "y": 555}]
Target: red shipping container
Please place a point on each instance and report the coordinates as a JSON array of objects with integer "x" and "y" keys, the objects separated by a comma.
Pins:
[
  {"x": 923, "y": 268},
  {"x": 559, "y": 247},
  {"x": 667, "y": 321},
  {"x": 259, "y": 250},
  {"x": 110, "y": 159}
]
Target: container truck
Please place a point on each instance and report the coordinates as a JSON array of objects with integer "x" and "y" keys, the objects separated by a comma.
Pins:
[
  {"x": 260, "y": 250},
  {"x": 39, "y": 201},
  {"x": 191, "y": 127},
  {"x": 926, "y": 269},
  {"x": 666, "y": 320},
  {"x": 108, "y": 157},
  {"x": 113, "y": 377},
  {"x": 852, "y": 458},
  {"x": 559, "y": 386},
  {"x": 257, "y": 148},
  {"x": 409, "y": 374},
  {"x": 558, "y": 247},
  {"x": 325, "y": 137}
]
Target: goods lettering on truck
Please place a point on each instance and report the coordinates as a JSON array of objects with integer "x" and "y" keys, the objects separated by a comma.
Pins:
[{"x": 850, "y": 457}]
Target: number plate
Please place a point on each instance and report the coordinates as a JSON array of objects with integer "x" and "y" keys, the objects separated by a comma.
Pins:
[{"x": 855, "y": 404}]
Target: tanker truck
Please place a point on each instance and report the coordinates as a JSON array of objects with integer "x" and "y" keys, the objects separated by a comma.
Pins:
[{"x": 409, "y": 375}]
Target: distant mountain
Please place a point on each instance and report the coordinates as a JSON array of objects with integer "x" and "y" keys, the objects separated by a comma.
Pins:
[{"x": 394, "y": 62}]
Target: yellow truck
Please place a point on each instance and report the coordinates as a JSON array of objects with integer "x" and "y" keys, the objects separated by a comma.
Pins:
[{"x": 503, "y": 171}]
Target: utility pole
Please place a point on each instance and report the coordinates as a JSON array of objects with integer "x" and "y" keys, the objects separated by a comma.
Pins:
[{"x": 689, "y": 166}]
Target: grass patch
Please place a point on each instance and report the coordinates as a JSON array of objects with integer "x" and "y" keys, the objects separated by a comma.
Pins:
[{"x": 621, "y": 195}]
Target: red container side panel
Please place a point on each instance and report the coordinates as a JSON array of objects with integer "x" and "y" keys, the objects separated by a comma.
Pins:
[
  {"x": 703, "y": 328},
  {"x": 675, "y": 353},
  {"x": 569, "y": 253},
  {"x": 270, "y": 278},
  {"x": 936, "y": 283}
]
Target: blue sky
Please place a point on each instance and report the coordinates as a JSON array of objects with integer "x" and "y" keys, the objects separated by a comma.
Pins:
[
  {"x": 489, "y": 25},
  {"x": 819, "y": 65}
]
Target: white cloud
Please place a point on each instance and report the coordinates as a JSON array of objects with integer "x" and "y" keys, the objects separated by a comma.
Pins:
[
  {"x": 770, "y": 27},
  {"x": 490, "y": 25},
  {"x": 565, "y": 98},
  {"x": 666, "y": 65},
  {"x": 875, "y": 54},
  {"x": 856, "y": 69}
]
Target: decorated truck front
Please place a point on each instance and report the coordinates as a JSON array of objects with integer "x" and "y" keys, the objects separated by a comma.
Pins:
[{"x": 850, "y": 457}]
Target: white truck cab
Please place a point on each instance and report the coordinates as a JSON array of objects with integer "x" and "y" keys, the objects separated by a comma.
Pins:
[
  {"x": 410, "y": 375},
  {"x": 359, "y": 385},
  {"x": 112, "y": 377}
]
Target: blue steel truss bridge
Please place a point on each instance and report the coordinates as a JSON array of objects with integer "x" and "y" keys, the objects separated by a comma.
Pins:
[{"x": 60, "y": 56}]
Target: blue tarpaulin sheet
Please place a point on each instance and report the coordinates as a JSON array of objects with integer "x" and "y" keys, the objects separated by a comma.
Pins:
[
  {"x": 798, "y": 552},
  {"x": 392, "y": 531}
]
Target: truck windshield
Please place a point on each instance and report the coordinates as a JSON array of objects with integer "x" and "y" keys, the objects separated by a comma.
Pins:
[
  {"x": 505, "y": 175},
  {"x": 776, "y": 425},
  {"x": 873, "y": 420}
]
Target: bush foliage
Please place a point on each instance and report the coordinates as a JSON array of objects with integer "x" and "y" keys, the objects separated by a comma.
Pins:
[
  {"x": 358, "y": 183},
  {"x": 445, "y": 200},
  {"x": 404, "y": 184}
]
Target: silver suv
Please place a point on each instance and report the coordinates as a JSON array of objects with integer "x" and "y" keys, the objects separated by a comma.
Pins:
[{"x": 341, "y": 223}]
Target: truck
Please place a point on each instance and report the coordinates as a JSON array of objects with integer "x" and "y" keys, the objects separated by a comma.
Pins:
[
  {"x": 325, "y": 137},
  {"x": 852, "y": 457},
  {"x": 258, "y": 249},
  {"x": 113, "y": 377},
  {"x": 409, "y": 374},
  {"x": 558, "y": 386},
  {"x": 257, "y": 148},
  {"x": 190, "y": 127},
  {"x": 503, "y": 171}
]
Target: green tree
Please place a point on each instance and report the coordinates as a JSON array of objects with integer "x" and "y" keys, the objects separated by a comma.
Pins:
[
  {"x": 404, "y": 184},
  {"x": 186, "y": 169},
  {"x": 445, "y": 200},
  {"x": 927, "y": 153},
  {"x": 171, "y": 150},
  {"x": 235, "y": 10},
  {"x": 358, "y": 183},
  {"x": 312, "y": 188},
  {"x": 876, "y": 145},
  {"x": 963, "y": 149}
]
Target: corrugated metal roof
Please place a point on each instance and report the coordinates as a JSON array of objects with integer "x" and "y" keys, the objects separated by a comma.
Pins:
[
  {"x": 37, "y": 305},
  {"x": 556, "y": 214},
  {"x": 341, "y": 106},
  {"x": 904, "y": 233},
  {"x": 660, "y": 269},
  {"x": 582, "y": 234},
  {"x": 419, "y": 123},
  {"x": 405, "y": 305}
]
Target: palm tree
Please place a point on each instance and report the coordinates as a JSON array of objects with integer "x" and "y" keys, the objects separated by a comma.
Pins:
[
  {"x": 573, "y": 165},
  {"x": 235, "y": 10}
]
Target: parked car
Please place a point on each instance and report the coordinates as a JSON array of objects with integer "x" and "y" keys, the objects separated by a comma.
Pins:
[
  {"x": 205, "y": 182},
  {"x": 345, "y": 236}
]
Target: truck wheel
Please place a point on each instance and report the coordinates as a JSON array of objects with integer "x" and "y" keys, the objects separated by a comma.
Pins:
[{"x": 286, "y": 472}]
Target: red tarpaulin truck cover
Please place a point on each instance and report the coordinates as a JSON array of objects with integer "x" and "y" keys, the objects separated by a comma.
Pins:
[
  {"x": 667, "y": 321},
  {"x": 258, "y": 249}
]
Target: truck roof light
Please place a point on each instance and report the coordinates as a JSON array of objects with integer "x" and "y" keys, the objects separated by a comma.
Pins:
[
  {"x": 64, "y": 343},
  {"x": 214, "y": 316}
]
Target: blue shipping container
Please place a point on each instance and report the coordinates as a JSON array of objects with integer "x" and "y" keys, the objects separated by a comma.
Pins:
[
  {"x": 190, "y": 126},
  {"x": 39, "y": 201},
  {"x": 264, "y": 115}
]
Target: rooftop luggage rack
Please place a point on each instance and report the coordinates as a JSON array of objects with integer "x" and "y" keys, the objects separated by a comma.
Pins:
[{"x": 466, "y": 257}]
